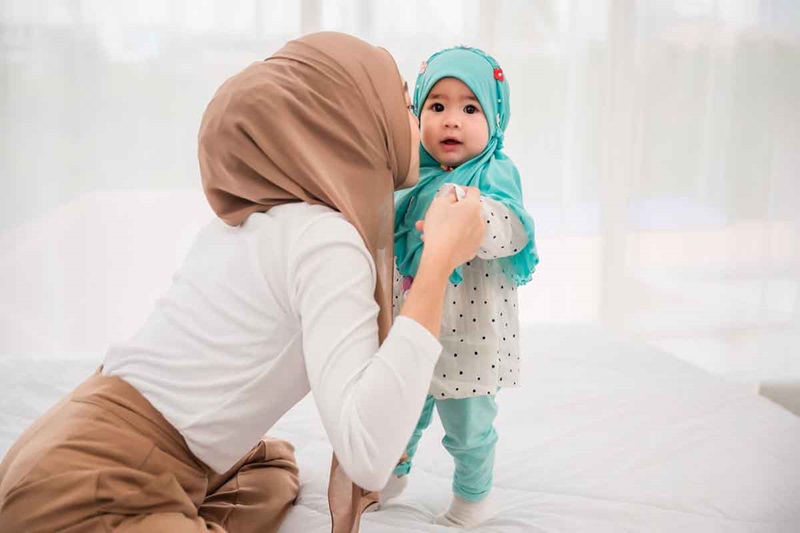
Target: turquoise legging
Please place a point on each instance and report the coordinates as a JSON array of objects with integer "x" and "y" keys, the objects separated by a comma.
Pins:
[{"x": 469, "y": 437}]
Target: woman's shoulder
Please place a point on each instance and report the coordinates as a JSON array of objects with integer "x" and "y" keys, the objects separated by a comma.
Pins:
[
  {"x": 319, "y": 235},
  {"x": 301, "y": 221},
  {"x": 291, "y": 234}
]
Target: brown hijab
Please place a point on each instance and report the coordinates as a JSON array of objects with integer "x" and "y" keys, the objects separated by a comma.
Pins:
[{"x": 322, "y": 121}]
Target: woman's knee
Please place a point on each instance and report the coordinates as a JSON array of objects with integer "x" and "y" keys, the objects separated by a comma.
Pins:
[{"x": 258, "y": 493}]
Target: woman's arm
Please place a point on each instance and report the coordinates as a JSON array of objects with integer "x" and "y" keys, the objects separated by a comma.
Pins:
[
  {"x": 452, "y": 232},
  {"x": 369, "y": 398}
]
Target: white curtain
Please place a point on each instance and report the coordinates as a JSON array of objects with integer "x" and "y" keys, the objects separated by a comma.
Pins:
[{"x": 658, "y": 140}]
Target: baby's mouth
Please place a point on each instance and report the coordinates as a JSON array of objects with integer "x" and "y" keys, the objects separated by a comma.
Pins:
[{"x": 451, "y": 142}]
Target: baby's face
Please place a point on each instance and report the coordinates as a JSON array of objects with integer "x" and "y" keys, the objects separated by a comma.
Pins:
[{"x": 453, "y": 126}]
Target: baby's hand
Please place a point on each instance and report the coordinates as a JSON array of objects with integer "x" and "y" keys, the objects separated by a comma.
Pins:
[{"x": 459, "y": 191}]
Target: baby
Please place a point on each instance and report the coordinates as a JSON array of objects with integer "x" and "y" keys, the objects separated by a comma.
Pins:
[{"x": 462, "y": 100}]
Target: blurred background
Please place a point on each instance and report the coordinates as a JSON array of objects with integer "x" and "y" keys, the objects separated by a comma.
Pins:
[{"x": 658, "y": 141}]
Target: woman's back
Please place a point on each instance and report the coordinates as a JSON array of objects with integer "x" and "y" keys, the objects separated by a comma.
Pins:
[{"x": 226, "y": 335}]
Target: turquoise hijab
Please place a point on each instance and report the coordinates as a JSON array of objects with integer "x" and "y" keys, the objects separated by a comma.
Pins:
[{"x": 491, "y": 171}]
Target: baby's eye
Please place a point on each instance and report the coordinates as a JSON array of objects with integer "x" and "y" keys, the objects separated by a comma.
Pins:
[
  {"x": 470, "y": 109},
  {"x": 437, "y": 107}
]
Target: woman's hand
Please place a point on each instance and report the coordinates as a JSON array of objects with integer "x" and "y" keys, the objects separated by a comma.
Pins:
[{"x": 453, "y": 229}]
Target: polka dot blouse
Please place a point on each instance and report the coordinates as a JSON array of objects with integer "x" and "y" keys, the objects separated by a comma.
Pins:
[{"x": 480, "y": 322}]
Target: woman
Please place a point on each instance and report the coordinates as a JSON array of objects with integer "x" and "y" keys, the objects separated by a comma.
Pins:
[{"x": 289, "y": 292}]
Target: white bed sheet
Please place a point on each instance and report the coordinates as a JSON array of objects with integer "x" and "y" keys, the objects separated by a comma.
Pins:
[{"x": 605, "y": 435}]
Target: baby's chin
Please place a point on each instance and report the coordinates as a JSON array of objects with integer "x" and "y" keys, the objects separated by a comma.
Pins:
[{"x": 450, "y": 160}]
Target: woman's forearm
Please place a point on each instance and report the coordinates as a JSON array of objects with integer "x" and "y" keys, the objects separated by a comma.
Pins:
[
  {"x": 452, "y": 231},
  {"x": 425, "y": 298}
]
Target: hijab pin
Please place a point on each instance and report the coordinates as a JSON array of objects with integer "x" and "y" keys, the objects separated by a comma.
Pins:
[
  {"x": 498, "y": 74},
  {"x": 422, "y": 67}
]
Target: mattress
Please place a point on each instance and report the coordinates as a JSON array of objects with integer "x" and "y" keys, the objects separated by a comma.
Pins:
[{"x": 605, "y": 435}]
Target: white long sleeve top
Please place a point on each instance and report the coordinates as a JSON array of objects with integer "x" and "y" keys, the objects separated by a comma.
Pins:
[{"x": 259, "y": 315}]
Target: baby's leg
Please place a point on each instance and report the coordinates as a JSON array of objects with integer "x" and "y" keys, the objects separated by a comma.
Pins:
[
  {"x": 411, "y": 449},
  {"x": 398, "y": 480},
  {"x": 470, "y": 438}
]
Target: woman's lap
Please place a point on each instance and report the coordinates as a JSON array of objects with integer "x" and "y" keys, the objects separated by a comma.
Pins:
[{"x": 105, "y": 459}]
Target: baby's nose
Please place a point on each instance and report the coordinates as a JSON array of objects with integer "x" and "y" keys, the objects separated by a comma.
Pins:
[{"x": 451, "y": 120}]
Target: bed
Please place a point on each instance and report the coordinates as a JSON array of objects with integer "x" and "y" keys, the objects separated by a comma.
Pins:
[{"x": 605, "y": 435}]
